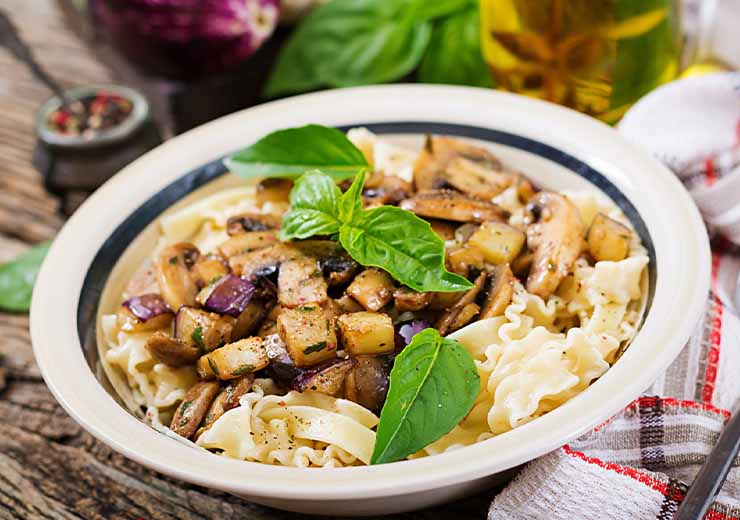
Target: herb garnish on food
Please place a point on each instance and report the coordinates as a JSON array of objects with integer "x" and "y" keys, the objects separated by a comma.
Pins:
[{"x": 433, "y": 385}]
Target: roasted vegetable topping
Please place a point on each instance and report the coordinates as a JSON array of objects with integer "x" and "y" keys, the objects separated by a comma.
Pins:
[
  {"x": 307, "y": 334},
  {"x": 367, "y": 333},
  {"x": 176, "y": 284},
  {"x": 229, "y": 294},
  {"x": 452, "y": 205},
  {"x": 608, "y": 239},
  {"x": 234, "y": 360},
  {"x": 170, "y": 351},
  {"x": 203, "y": 330},
  {"x": 251, "y": 221},
  {"x": 193, "y": 408},
  {"x": 373, "y": 288}
]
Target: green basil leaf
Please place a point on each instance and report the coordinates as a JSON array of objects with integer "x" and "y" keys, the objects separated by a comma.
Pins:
[
  {"x": 346, "y": 43},
  {"x": 401, "y": 243},
  {"x": 293, "y": 151},
  {"x": 314, "y": 207},
  {"x": 17, "y": 279},
  {"x": 351, "y": 202},
  {"x": 454, "y": 55},
  {"x": 426, "y": 10},
  {"x": 433, "y": 385}
]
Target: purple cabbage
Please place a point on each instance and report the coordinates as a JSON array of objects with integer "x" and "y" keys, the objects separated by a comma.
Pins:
[
  {"x": 147, "y": 306},
  {"x": 410, "y": 329},
  {"x": 229, "y": 295}
]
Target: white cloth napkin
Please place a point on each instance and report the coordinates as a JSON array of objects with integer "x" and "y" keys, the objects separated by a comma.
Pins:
[{"x": 639, "y": 463}]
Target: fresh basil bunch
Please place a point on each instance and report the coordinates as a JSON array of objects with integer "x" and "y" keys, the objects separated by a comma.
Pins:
[{"x": 358, "y": 42}]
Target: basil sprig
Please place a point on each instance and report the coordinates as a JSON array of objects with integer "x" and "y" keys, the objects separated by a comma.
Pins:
[
  {"x": 18, "y": 277},
  {"x": 433, "y": 386},
  {"x": 345, "y": 43},
  {"x": 388, "y": 237},
  {"x": 293, "y": 151}
]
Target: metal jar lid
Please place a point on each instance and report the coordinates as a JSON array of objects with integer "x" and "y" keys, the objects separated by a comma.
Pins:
[{"x": 139, "y": 114}]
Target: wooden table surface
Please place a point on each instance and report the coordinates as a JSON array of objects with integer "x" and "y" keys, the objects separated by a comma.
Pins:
[{"x": 49, "y": 466}]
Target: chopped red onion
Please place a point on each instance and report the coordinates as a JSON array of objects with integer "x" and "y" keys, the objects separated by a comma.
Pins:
[
  {"x": 229, "y": 295},
  {"x": 146, "y": 306},
  {"x": 409, "y": 330}
]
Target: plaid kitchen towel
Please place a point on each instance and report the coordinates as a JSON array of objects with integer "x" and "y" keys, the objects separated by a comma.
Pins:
[{"x": 639, "y": 463}]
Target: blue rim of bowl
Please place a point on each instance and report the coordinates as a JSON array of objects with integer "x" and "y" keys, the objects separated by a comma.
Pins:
[{"x": 112, "y": 249}]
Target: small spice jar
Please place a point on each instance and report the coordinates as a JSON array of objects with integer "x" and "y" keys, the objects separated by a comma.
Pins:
[{"x": 83, "y": 144}]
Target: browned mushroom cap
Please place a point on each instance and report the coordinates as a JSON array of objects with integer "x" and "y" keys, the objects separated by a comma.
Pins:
[
  {"x": 193, "y": 408},
  {"x": 463, "y": 310},
  {"x": 476, "y": 179},
  {"x": 273, "y": 190},
  {"x": 500, "y": 292},
  {"x": 437, "y": 154},
  {"x": 451, "y": 205},
  {"x": 226, "y": 400},
  {"x": 385, "y": 189},
  {"x": 171, "y": 351},
  {"x": 555, "y": 235},
  {"x": 252, "y": 221},
  {"x": 176, "y": 285}
]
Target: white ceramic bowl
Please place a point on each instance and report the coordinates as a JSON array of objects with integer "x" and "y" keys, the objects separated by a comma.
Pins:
[{"x": 556, "y": 147}]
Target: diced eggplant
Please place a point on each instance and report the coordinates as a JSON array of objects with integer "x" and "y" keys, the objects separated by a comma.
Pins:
[
  {"x": 408, "y": 330},
  {"x": 348, "y": 304},
  {"x": 453, "y": 205},
  {"x": 608, "y": 239},
  {"x": 252, "y": 221},
  {"x": 269, "y": 324},
  {"x": 229, "y": 294},
  {"x": 282, "y": 369},
  {"x": 300, "y": 281},
  {"x": 410, "y": 300},
  {"x": 171, "y": 351},
  {"x": 176, "y": 284},
  {"x": 368, "y": 333},
  {"x": 367, "y": 383},
  {"x": 307, "y": 334},
  {"x": 463, "y": 258},
  {"x": 555, "y": 236},
  {"x": 144, "y": 313},
  {"x": 193, "y": 408},
  {"x": 373, "y": 288},
  {"x": 274, "y": 190},
  {"x": 227, "y": 399},
  {"x": 247, "y": 242},
  {"x": 202, "y": 330},
  {"x": 327, "y": 380},
  {"x": 436, "y": 156},
  {"x": 208, "y": 269},
  {"x": 476, "y": 179},
  {"x": 499, "y": 242},
  {"x": 250, "y": 318},
  {"x": 500, "y": 292},
  {"x": 237, "y": 359},
  {"x": 461, "y": 312}
]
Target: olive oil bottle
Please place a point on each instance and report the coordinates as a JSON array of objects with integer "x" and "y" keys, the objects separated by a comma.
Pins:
[{"x": 597, "y": 56}]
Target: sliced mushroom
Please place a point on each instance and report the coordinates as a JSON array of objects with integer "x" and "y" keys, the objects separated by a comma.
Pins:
[
  {"x": 247, "y": 242},
  {"x": 300, "y": 281},
  {"x": 208, "y": 269},
  {"x": 555, "y": 236},
  {"x": 203, "y": 330},
  {"x": 476, "y": 179},
  {"x": 367, "y": 383},
  {"x": 273, "y": 190},
  {"x": 227, "y": 399},
  {"x": 410, "y": 300},
  {"x": 252, "y": 221},
  {"x": 461, "y": 312},
  {"x": 464, "y": 258},
  {"x": 443, "y": 228},
  {"x": 436, "y": 156},
  {"x": 176, "y": 284},
  {"x": 171, "y": 351},
  {"x": 193, "y": 408},
  {"x": 452, "y": 205},
  {"x": 500, "y": 292},
  {"x": 387, "y": 189}
]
